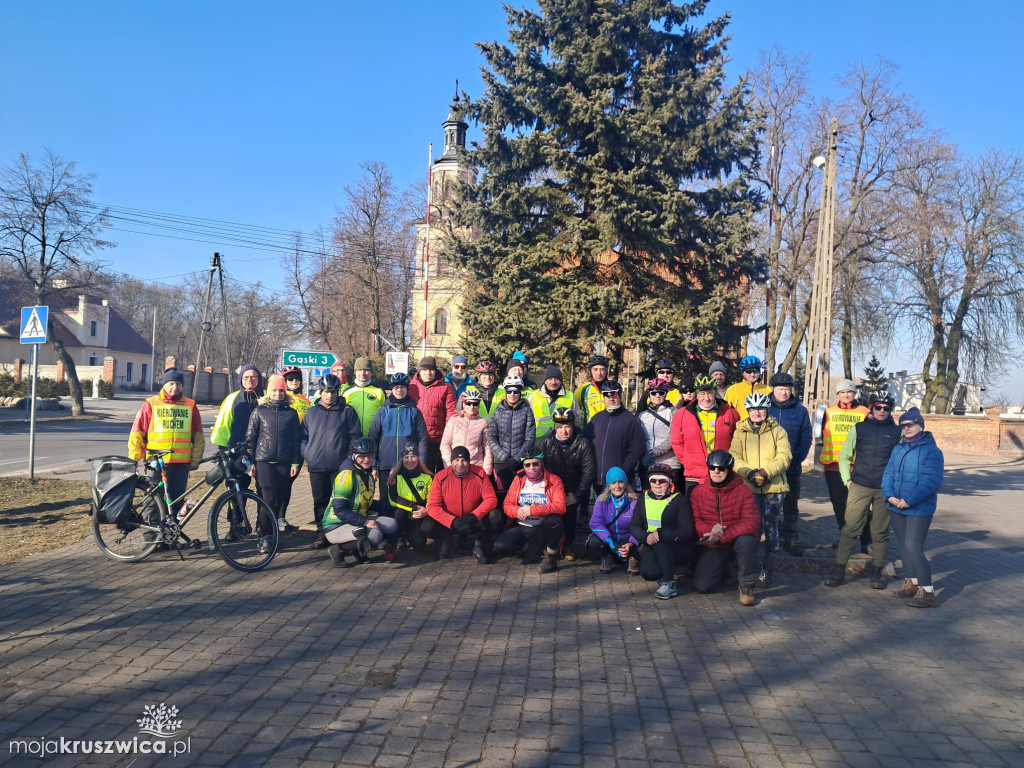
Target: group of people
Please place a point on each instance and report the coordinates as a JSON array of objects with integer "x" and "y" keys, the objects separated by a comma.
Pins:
[{"x": 692, "y": 481}]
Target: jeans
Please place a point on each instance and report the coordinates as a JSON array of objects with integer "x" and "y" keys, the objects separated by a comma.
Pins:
[
  {"x": 911, "y": 531},
  {"x": 770, "y": 507},
  {"x": 788, "y": 533}
]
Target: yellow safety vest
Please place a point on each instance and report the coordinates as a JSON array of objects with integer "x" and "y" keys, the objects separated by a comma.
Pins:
[
  {"x": 171, "y": 428},
  {"x": 654, "y": 509},
  {"x": 299, "y": 404},
  {"x": 542, "y": 408},
  {"x": 836, "y": 428},
  {"x": 591, "y": 401}
]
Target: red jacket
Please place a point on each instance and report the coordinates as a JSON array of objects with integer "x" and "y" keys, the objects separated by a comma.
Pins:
[
  {"x": 553, "y": 488},
  {"x": 436, "y": 402},
  {"x": 452, "y": 496},
  {"x": 731, "y": 505},
  {"x": 688, "y": 438}
]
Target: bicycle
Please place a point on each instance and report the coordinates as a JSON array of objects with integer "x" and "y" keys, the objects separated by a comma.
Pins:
[{"x": 133, "y": 514}]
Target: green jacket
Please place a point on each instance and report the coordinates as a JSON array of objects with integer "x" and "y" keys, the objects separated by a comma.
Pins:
[{"x": 366, "y": 401}]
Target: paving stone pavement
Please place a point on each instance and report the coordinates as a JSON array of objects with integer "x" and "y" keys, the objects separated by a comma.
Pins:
[{"x": 457, "y": 664}]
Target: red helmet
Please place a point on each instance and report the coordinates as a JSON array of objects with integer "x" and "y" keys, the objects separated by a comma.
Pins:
[{"x": 486, "y": 366}]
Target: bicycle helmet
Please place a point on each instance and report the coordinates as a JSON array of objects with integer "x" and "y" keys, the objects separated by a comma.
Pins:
[
  {"x": 750, "y": 361},
  {"x": 658, "y": 385},
  {"x": 666, "y": 365},
  {"x": 882, "y": 397},
  {"x": 563, "y": 415},
  {"x": 293, "y": 371},
  {"x": 330, "y": 383},
  {"x": 512, "y": 381},
  {"x": 399, "y": 380},
  {"x": 705, "y": 384},
  {"x": 597, "y": 360},
  {"x": 361, "y": 446},
  {"x": 720, "y": 459},
  {"x": 757, "y": 400},
  {"x": 471, "y": 395},
  {"x": 781, "y": 379},
  {"x": 610, "y": 386},
  {"x": 486, "y": 366}
]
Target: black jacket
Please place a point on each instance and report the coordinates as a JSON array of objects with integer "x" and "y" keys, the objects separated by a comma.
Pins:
[
  {"x": 872, "y": 449},
  {"x": 619, "y": 441},
  {"x": 676, "y": 521},
  {"x": 274, "y": 433},
  {"x": 327, "y": 434},
  {"x": 573, "y": 463}
]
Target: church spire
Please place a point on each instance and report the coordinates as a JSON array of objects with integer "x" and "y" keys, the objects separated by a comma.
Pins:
[{"x": 454, "y": 129}]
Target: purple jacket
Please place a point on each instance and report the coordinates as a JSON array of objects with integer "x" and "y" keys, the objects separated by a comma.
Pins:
[{"x": 604, "y": 512}]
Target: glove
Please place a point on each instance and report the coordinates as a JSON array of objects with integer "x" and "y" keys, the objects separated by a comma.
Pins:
[
  {"x": 760, "y": 477},
  {"x": 465, "y": 524}
]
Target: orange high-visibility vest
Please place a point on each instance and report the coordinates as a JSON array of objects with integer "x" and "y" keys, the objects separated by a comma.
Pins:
[{"x": 836, "y": 428}]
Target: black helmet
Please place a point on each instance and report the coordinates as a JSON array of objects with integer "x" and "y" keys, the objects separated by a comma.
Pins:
[
  {"x": 399, "y": 380},
  {"x": 781, "y": 379},
  {"x": 362, "y": 445},
  {"x": 330, "y": 383},
  {"x": 562, "y": 415},
  {"x": 610, "y": 386},
  {"x": 597, "y": 360},
  {"x": 666, "y": 365},
  {"x": 720, "y": 459},
  {"x": 883, "y": 397}
]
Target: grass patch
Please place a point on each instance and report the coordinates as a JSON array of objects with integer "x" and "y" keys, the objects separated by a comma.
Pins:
[{"x": 40, "y": 516}]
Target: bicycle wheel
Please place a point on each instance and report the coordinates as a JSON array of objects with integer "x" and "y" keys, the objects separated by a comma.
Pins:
[
  {"x": 246, "y": 537},
  {"x": 128, "y": 543}
]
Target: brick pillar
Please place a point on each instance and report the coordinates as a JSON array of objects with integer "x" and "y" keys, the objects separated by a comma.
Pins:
[
  {"x": 60, "y": 370},
  {"x": 993, "y": 413},
  {"x": 18, "y": 364},
  {"x": 109, "y": 369}
]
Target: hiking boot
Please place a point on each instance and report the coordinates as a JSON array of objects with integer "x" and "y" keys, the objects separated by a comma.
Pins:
[
  {"x": 444, "y": 552},
  {"x": 909, "y": 589},
  {"x": 607, "y": 564},
  {"x": 321, "y": 543},
  {"x": 479, "y": 554},
  {"x": 337, "y": 556},
  {"x": 633, "y": 566},
  {"x": 875, "y": 578},
  {"x": 263, "y": 545},
  {"x": 764, "y": 578},
  {"x": 794, "y": 549},
  {"x": 836, "y": 576},
  {"x": 548, "y": 563},
  {"x": 666, "y": 590},
  {"x": 230, "y": 535},
  {"x": 923, "y": 599},
  {"x": 746, "y": 595}
]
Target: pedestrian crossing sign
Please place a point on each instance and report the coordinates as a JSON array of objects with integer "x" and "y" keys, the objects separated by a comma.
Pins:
[{"x": 33, "y": 324}]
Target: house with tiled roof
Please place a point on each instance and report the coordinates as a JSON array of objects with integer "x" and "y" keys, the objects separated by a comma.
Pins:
[{"x": 92, "y": 331}]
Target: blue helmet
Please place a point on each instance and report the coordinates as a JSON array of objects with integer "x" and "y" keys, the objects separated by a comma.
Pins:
[
  {"x": 399, "y": 380},
  {"x": 750, "y": 361}
]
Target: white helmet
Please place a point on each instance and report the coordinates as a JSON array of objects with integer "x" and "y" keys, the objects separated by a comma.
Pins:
[{"x": 512, "y": 381}]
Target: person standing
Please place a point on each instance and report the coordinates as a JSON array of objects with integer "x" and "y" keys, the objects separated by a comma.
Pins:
[
  {"x": 838, "y": 422},
  {"x": 792, "y": 416},
  {"x": 459, "y": 378},
  {"x": 293, "y": 381},
  {"x": 511, "y": 435},
  {"x": 718, "y": 372},
  {"x": 666, "y": 371},
  {"x": 656, "y": 419},
  {"x": 762, "y": 455},
  {"x": 549, "y": 396},
  {"x": 466, "y": 428},
  {"x": 232, "y": 424},
  {"x": 169, "y": 421},
  {"x": 436, "y": 401},
  {"x": 661, "y": 522},
  {"x": 397, "y": 422},
  {"x": 589, "y": 395},
  {"x": 328, "y": 430},
  {"x": 570, "y": 455},
  {"x": 862, "y": 463},
  {"x": 705, "y": 425},
  {"x": 750, "y": 370},
  {"x": 487, "y": 384},
  {"x": 364, "y": 398},
  {"x": 618, "y": 437},
  {"x": 910, "y": 486},
  {"x": 274, "y": 438}
]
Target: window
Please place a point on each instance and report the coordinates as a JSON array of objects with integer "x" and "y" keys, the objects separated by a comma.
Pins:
[
  {"x": 94, "y": 360},
  {"x": 441, "y": 322},
  {"x": 94, "y": 328},
  {"x": 144, "y": 378},
  {"x": 129, "y": 371}
]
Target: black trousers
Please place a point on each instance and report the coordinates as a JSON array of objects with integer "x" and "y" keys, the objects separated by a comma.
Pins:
[
  {"x": 434, "y": 461},
  {"x": 177, "y": 482},
  {"x": 837, "y": 494},
  {"x": 711, "y": 564},
  {"x": 657, "y": 561},
  {"x": 788, "y": 527},
  {"x": 275, "y": 485},
  {"x": 520, "y": 538},
  {"x": 322, "y": 486},
  {"x": 428, "y": 528}
]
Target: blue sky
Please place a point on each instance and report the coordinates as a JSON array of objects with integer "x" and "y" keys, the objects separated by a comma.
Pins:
[{"x": 261, "y": 112}]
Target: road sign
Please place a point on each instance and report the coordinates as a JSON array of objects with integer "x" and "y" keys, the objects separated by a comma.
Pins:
[
  {"x": 308, "y": 359},
  {"x": 396, "y": 362},
  {"x": 33, "y": 324}
]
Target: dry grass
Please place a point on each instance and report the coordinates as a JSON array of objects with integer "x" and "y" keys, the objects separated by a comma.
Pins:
[{"x": 40, "y": 516}]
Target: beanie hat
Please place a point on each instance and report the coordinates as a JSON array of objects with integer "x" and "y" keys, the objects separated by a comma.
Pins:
[
  {"x": 614, "y": 475},
  {"x": 686, "y": 381},
  {"x": 552, "y": 372},
  {"x": 717, "y": 366},
  {"x": 276, "y": 382},
  {"x": 912, "y": 416},
  {"x": 519, "y": 355},
  {"x": 515, "y": 362},
  {"x": 460, "y": 452},
  {"x": 460, "y": 359},
  {"x": 428, "y": 363},
  {"x": 172, "y": 374},
  {"x": 846, "y": 385},
  {"x": 340, "y": 370},
  {"x": 363, "y": 364}
]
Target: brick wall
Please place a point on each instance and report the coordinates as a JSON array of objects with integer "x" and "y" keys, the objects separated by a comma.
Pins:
[{"x": 978, "y": 434}]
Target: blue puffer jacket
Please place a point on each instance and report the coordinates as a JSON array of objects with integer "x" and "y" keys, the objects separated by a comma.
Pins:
[
  {"x": 792, "y": 416},
  {"x": 396, "y": 423},
  {"x": 914, "y": 474}
]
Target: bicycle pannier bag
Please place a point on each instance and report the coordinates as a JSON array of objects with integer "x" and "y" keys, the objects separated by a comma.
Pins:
[{"x": 113, "y": 487}]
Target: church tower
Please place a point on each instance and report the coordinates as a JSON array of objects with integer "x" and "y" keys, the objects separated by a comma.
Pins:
[{"x": 438, "y": 289}]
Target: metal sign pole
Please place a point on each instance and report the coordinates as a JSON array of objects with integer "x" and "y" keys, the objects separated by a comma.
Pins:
[{"x": 32, "y": 416}]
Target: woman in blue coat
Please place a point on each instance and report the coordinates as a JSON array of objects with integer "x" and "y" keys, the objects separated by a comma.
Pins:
[{"x": 910, "y": 487}]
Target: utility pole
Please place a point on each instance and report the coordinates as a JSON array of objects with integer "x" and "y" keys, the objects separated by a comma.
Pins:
[
  {"x": 204, "y": 327},
  {"x": 224, "y": 309},
  {"x": 819, "y": 331}
]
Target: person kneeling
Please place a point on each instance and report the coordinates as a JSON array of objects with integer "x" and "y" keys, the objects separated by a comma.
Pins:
[
  {"x": 460, "y": 499},
  {"x": 661, "y": 521},
  {"x": 727, "y": 520},
  {"x": 348, "y": 522},
  {"x": 536, "y": 501},
  {"x": 609, "y": 524}
]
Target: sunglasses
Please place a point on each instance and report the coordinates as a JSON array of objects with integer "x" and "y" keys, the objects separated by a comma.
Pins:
[
  {"x": 459, "y": 367},
  {"x": 611, "y": 394},
  {"x": 513, "y": 391},
  {"x": 665, "y": 370},
  {"x": 657, "y": 393},
  {"x": 658, "y": 480},
  {"x": 531, "y": 464},
  {"x": 752, "y": 370},
  {"x": 689, "y": 391},
  {"x": 471, "y": 403},
  {"x": 885, "y": 408},
  {"x": 909, "y": 424}
]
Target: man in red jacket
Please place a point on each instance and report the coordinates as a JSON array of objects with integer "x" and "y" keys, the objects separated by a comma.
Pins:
[
  {"x": 436, "y": 401},
  {"x": 460, "y": 498},
  {"x": 702, "y": 426},
  {"x": 726, "y": 519}
]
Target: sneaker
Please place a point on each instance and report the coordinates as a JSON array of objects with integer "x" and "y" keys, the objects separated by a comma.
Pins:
[
  {"x": 263, "y": 545},
  {"x": 607, "y": 564},
  {"x": 746, "y": 595},
  {"x": 479, "y": 554},
  {"x": 337, "y": 556},
  {"x": 924, "y": 599},
  {"x": 909, "y": 589},
  {"x": 666, "y": 590},
  {"x": 548, "y": 563},
  {"x": 285, "y": 527},
  {"x": 230, "y": 535}
]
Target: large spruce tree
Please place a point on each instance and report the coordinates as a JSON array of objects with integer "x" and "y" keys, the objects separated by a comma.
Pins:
[{"x": 613, "y": 199}]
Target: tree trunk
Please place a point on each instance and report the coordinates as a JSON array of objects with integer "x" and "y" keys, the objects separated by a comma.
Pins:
[
  {"x": 846, "y": 342},
  {"x": 71, "y": 372}
]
